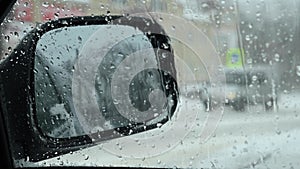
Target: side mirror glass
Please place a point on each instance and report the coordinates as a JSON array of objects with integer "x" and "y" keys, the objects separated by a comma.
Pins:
[
  {"x": 84, "y": 80},
  {"x": 103, "y": 81},
  {"x": 99, "y": 78}
]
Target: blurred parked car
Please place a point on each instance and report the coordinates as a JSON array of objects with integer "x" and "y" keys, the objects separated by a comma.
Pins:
[{"x": 242, "y": 87}]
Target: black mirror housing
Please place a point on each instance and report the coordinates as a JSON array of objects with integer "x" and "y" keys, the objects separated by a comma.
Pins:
[{"x": 18, "y": 90}]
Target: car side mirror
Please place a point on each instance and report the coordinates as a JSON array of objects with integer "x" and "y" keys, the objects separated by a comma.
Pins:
[{"x": 74, "y": 82}]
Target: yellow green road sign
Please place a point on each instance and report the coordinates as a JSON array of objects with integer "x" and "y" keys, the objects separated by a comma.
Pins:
[{"x": 234, "y": 58}]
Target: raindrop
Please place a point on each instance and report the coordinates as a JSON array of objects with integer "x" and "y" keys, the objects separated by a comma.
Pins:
[
  {"x": 45, "y": 4},
  {"x": 267, "y": 45},
  {"x": 86, "y": 157},
  {"x": 278, "y": 131},
  {"x": 250, "y": 26},
  {"x": 254, "y": 78},
  {"x": 35, "y": 71},
  {"x": 26, "y": 4},
  {"x": 205, "y": 5},
  {"x": 247, "y": 38},
  {"x": 298, "y": 70},
  {"x": 16, "y": 34},
  {"x": 258, "y": 14},
  {"x": 115, "y": 101},
  {"x": 64, "y": 22},
  {"x": 130, "y": 131},
  {"x": 269, "y": 103},
  {"x": 6, "y": 38},
  {"x": 102, "y": 6},
  {"x": 164, "y": 55},
  {"x": 24, "y": 13},
  {"x": 277, "y": 57},
  {"x": 120, "y": 55},
  {"x": 56, "y": 15},
  {"x": 249, "y": 61},
  {"x": 173, "y": 28},
  {"x": 46, "y": 68},
  {"x": 112, "y": 66},
  {"x": 165, "y": 45}
]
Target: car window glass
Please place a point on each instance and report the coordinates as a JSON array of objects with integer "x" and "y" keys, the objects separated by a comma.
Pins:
[{"x": 236, "y": 67}]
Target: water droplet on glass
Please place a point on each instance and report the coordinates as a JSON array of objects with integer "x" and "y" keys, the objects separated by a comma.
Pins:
[
  {"x": 205, "y": 5},
  {"x": 120, "y": 147},
  {"x": 158, "y": 124},
  {"x": 164, "y": 55},
  {"x": 45, "y": 4},
  {"x": 24, "y": 13},
  {"x": 120, "y": 55},
  {"x": 46, "y": 68},
  {"x": 254, "y": 78},
  {"x": 298, "y": 70},
  {"x": 247, "y": 37},
  {"x": 130, "y": 131},
  {"x": 64, "y": 22},
  {"x": 269, "y": 103},
  {"x": 86, "y": 157},
  {"x": 35, "y": 71},
  {"x": 6, "y": 38},
  {"x": 112, "y": 66},
  {"x": 267, "y": 45},
  {"x": 9, "y": 49},
  {"x": 56, "y": 15},
  {"x": 278, "y": 132},
  {"x": 26, "y": 4},
  {"x": 173, "y": 28},
  {"x": 249, "y": 61},
  {"x": 250, "y": 26},
  {"x": 16, "y": 34},
  {"x": 258, "y": 14},
  {"x": 165, "y": 45},
  {"x": 277, "y": 57}
]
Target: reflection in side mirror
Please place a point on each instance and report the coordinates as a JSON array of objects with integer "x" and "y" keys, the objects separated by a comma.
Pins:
[
  {"x": 81, "y": 80},
  {"x": 99, "y": 78}
]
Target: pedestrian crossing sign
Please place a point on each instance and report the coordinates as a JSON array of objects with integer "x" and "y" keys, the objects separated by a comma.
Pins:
[{"x": 234, "y": 58}]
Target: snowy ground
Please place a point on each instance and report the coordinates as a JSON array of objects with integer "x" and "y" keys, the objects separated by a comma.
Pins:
[{"x": 254, "y": 138}]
